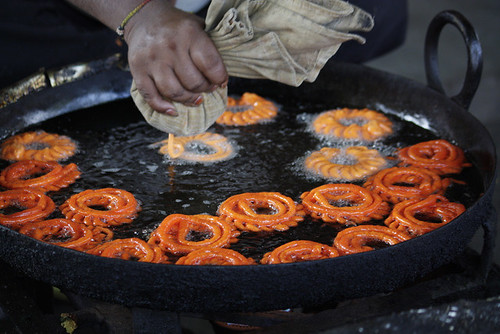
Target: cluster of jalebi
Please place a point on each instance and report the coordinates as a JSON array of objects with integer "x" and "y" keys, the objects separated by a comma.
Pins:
[
  {"x": 392, "y": 205},
  {"x": 206, "y": 240},
  {"x": 88, "y": 215}
]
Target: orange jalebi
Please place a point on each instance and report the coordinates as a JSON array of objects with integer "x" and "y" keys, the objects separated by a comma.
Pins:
[
  {"x": 215, "y": 256},
  {"x": 34, "y": 206},
  {"x": 118, "y": 207},
  {"x": 66, "y": 233},
  {"x": 353, "y": 124},
  {"x": 180, "y": 234},
  {"x": 298, "y": 251},
  {"x": 53, "y": 176},
  {"x": 343, "y": 203},
  {"x": 264, "y": 211},
  {"x": 419, "y": 216},
  {"x": 439, "y": 156},
  {"x": 37, "y": 145},
  {"x": 249, "y": 109},
  {"x": 397, "y": 184},
  {"x": 349, "y": 164},
  {"x": 365, "y": 238},
  {"x": 130, "y": 249},
  {"x": 203, "y": 147}
]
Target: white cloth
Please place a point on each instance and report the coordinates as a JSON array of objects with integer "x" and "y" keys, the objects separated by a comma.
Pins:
[{"x": 288, "y": 41}]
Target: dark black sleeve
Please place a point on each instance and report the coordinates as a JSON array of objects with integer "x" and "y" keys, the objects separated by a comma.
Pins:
[{"x": 389, "y": 31}]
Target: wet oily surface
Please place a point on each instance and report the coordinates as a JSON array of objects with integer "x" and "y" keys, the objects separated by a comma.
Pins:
[{"x": 115, "y": 150}]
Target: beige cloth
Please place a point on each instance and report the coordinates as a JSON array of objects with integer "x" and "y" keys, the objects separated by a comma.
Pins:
[{"x": 288, "y": 41}]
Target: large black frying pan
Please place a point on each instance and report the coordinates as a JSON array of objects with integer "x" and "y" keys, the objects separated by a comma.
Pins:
[{"x": 268, "y": 287}]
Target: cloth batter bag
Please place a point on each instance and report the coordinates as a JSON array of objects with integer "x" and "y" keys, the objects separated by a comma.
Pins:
[{"x": 286, "y": 41}]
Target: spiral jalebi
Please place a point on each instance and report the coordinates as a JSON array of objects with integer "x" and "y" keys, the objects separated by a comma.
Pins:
[
  {"x": 397, "y": 184},
  {"x": 364, "y": 238},
  {"x": 33, "y": 206},
  {"x": 439, "y": 156},
  {"x": 118, "y": 207},
  {"x": 130, "y": 249},
  {"x": 215, "y": 256},
  {"x": 420, "y": 216},
  {"x": 261, "y": 212},
  {"x": 52, "y": 175},
  {"x": 181, "y": 234},
  {"x": 298, "y": 251},
  {"x": 249, "y": 109},
  {"x": 344, "y": 203},
  {"x": 37, "y": 145},
  {"x": 66, "y": 233}
]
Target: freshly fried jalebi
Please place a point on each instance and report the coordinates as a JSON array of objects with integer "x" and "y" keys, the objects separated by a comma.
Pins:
[
  {"x": 419, "y": 216},
  {"x": 37, "y": 145},
  {"x": 364, "y": 238},
  {"x": 249, "y": 109},
  {"x": 349, "y": 164},
  {"x": 203, "y": 147},
  {"x": 298, "y": 251},
  {"x": 215, "y": 256},
  {"x": 34, "y": 206},
  {"x": 118, "y": 207},
  {"x": 66, "y": 233},
  {"x": 264, "y": 211},
  {"x": 53, "y": 176},
  {"x": 397, "y": 184},
  {"x": 130, "y": 249},
  {"x": 354, "y": 124},
  {"x": 180, "y": 234},
  {"x": 344, "y": 203},
  {"x": 439, "y": 156}
]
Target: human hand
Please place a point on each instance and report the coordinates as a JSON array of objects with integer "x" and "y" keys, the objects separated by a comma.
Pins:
[{"x": 171, "y": 58}]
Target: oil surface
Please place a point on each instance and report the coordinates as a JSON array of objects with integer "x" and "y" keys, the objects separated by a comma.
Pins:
[{"x": 115, "y": 150}]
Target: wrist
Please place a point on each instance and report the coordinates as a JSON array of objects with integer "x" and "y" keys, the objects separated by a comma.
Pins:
[{"x": 148, "y": 9}]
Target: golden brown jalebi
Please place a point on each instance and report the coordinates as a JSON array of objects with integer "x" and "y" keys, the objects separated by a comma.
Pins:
[
  {"x": 37, "y": 145},
  {"x": 419, "y": 216},
  {"x": 130, "y": 249},
  {"x": 263, "y": 211},
  {"x": 353, "y": 124},
  {"x": 397, "y": 184},
  {"x": 203, "y": 147},
  {"x": 215, "y": 256},
  {"x": 364, "y": 238},
  {"x": 298, "y": 251},
  {"x": 180, "y": 234},
  {"x": 66, "y": 233},
  {"x": 118, "y": 207},
  {"x": 439, "y": 156},
  {"x": 249, "y": 109},
  {"x": 34, "y": 206},
  {"x": 344, "y": 203},
  {"x": 52, "y": 175},
  {"x": 349, "y": 164}
]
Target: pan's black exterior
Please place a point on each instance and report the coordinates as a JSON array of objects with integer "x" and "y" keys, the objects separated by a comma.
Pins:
[{"x": 269, "y": 287}]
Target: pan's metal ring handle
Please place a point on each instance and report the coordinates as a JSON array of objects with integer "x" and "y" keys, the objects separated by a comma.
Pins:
[{"x": 474, "y": 50}]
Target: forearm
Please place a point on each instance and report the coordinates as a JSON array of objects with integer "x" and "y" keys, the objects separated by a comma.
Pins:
[{"x": 110, "y": 12}]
